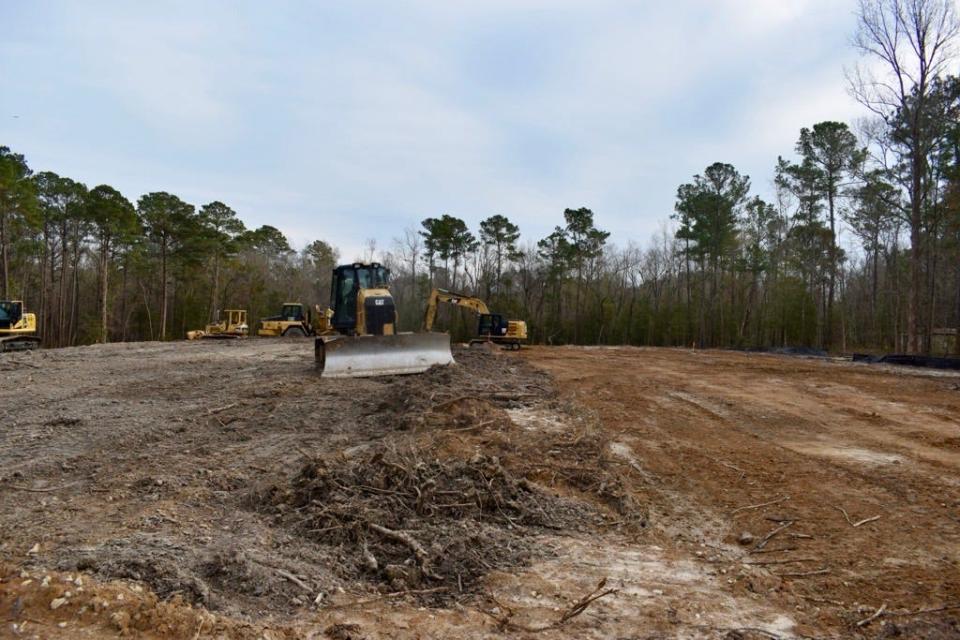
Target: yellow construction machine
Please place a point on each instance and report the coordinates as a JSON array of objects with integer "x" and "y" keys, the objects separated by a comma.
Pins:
[
  {"x": 492, "y": 327},
  {"x": 363, "y": 338},
  {"x": 17, "y": 329},
  {"x": 232, "y": 327},
  {"x": 293, "y": 321}
]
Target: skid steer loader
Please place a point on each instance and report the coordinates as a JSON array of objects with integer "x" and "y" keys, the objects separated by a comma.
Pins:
[
  {"x": 363, "y": 321},
  {"x": 17, "y": 329}
]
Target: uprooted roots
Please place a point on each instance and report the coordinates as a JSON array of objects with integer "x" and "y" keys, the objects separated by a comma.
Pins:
[{"x": 408, "y": 523}]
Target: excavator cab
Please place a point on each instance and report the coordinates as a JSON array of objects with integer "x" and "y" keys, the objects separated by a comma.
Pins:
[
  {"x": 11, "y": 311},
  {"x": 17, "y": 328},
  {"x": 492, "y": 324}
]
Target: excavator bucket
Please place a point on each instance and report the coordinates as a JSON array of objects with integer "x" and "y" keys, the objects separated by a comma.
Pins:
[{"x": 366, "y": 356}]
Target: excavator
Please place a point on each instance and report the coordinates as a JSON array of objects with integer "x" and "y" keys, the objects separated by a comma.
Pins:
[
  {"x": 232, "y": 327},
  {"x": 17, "y": 329},
  {"x": 363, "y": 339},
  {"x": 492, "y": 327}
]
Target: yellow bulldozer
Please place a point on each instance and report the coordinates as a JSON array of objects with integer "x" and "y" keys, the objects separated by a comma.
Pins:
[
  {"x": 363, "y": 339},
  {"x": 492, "y": 327},
  {"x": 295, "y": 321},
  {"x": 231, "y": 327},
  {"x": 18, "y": 330}
]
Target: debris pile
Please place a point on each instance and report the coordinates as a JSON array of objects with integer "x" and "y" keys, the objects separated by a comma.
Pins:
[{"x": 412, "y": 524}]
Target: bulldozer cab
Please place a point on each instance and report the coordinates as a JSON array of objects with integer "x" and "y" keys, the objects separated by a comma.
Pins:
[
  {"x": 236, "y": 320},
  {"x": 348, "y": 280},
  {"x": 11, "y": 312}
]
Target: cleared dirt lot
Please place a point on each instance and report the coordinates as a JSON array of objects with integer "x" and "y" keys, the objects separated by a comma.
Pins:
[{"x": 224, "y": 490}]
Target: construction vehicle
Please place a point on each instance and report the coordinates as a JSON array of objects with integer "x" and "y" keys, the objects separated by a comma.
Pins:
[
  {"x": 363, "y": 338},
  {"x": 492, "y": 327},
  {"x": 17, "y": 329},
  {"x": 234, "y": 326},
  {"x": 293, "y": 321}
]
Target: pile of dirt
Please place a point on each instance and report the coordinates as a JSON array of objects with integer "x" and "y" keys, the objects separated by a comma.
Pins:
[
  {"x": 406, "y": 523},
  {"x": 479, "y": 374}
]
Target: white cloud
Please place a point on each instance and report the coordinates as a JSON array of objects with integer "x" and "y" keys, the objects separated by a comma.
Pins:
[{"x": 346, "y": 121}]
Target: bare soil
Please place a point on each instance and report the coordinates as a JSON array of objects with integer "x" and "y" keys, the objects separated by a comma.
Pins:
[{"x": 223, "y": 489}]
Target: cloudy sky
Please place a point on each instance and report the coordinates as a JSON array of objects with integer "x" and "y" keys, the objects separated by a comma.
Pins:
[{"x": 352, "y": 120}]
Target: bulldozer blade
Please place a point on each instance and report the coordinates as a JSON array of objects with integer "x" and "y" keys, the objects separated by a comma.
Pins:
[{"x": 365, "y": 356}]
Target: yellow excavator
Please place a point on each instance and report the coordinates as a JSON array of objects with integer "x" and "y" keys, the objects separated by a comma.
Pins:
[
  {"x": 492, "y": 327},
  {"x": 363, "y": 339},
  {"x": 232, "y": 327},
  {"x": 17, "y": 329}
]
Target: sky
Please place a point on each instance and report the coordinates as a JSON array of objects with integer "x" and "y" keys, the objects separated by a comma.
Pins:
[{"x": 350, "y": 121}]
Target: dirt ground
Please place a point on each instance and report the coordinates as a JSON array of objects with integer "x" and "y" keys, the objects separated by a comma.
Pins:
[{"x": 224, "y": 490}]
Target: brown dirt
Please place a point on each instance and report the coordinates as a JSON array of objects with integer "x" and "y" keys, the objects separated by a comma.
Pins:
[{"x": 222, "y": 489}]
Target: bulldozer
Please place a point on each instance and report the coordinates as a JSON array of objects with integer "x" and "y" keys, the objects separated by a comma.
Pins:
[
  {"x": 363, "y": 339},
  {"x": 18, "y": 330},
  {"x": 492, "y": 327},
  {"x": 232, "y": 327}
]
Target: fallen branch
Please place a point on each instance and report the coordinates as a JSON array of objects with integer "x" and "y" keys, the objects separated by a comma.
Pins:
[
  {"x": 876, "y": 614},
  {"x": 294, "y": 579},
  {"x": 920, "y": 612},
  {"x": 759, "y": 506},
  {"x": 836, "y": 603},
  {"x": 801, "y": 574},
  {"x": 423, "y": 558},
  {"x": 765, "y": 562},
  {"x": 851, "y": 522},
  {"x": 777, "y": 550},
  {"x": 221, "y": 409},
  {"x": 734, "y": 467},
  {"x": 763, "y": 541},
  {"x": 581, "y": 605},
  {"x": 41, "y": 490}
]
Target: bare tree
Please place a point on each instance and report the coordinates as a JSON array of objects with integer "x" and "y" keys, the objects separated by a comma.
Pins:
[{"x": 913, "y": 42}]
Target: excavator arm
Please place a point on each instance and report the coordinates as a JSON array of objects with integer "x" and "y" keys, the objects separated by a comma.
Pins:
[{"x": 448, "y": 297}]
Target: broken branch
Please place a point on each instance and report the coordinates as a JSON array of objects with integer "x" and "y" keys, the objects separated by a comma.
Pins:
[
  {"x": 763, "y": 541},
  {"x": 759, "y": 506},
  {"x": 876, "y": 614},
  {"x": 504, "y": 622},
  {"x": 422, "y": 557},
  {"x": 801, "y": 574},
  {"x": 294, "y": 579}
]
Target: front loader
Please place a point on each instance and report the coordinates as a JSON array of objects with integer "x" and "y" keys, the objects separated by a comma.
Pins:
[{"x": 363, "y": 325}]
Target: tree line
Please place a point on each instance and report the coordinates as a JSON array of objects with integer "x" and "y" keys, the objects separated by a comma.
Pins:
[
  {"x": 97, "y": 267},
  {"x": 739, "y": 271},
  {"x": 858, "y": 247}
]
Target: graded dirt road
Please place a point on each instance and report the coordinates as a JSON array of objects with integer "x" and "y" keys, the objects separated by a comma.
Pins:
[
  {"x": 854, "y": 469},
  {"x": 223, "y": 489}
]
